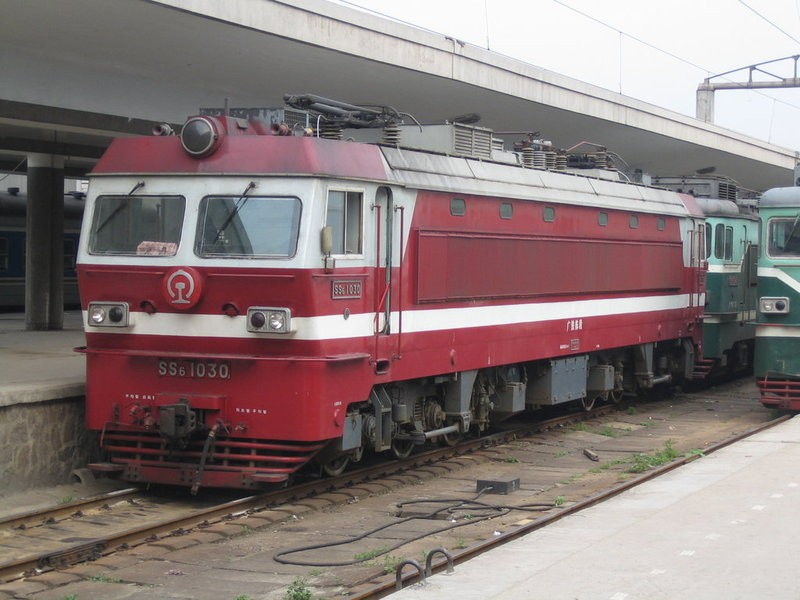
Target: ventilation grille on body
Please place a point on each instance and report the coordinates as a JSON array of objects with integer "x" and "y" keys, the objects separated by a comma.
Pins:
[
  {"x": 700, "y": 187},
  {"x": 472, "y": 141}
]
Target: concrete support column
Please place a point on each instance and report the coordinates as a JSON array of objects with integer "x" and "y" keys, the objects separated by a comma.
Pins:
[
  {"x": 704, "y": 109},
  {"x": 44, "y": 246}
]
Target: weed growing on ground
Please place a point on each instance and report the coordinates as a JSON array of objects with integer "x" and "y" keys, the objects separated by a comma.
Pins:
[
  {"x": 390, "y": 564},
  {"x": 370, "y": 554},
  {"x": 608, "y": 431},
  {"x": 298, "y": 590},
  {"x": 611, "y": 463},
  {"x": 645, "y": 462}
]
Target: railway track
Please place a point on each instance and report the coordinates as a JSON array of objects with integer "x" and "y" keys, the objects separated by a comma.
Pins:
[
  {"x": 59, "y": 536},
  {"x": 550, "y": 457},
  {"x": 441, "y": 561}
]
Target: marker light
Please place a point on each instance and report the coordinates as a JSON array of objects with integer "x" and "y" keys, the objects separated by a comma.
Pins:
[
  {"x": 257, "y": 320},
  {"x": 108, "y": 314},
  {"x": 269, "y": 320},
  {"x": 774, "y": 306}
]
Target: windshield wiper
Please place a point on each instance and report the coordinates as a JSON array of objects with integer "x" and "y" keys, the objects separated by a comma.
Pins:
[
  {"x": 239, "y": 205},
  {"x": 792, "y": 233},
  {"x": 122, "y": 205}
]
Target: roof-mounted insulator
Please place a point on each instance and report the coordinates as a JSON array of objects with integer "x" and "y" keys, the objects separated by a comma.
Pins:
[{"x": 391, "y": 134}]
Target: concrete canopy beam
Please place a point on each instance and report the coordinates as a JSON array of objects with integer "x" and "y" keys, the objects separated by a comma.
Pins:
[{"x": 160, "y": 60}]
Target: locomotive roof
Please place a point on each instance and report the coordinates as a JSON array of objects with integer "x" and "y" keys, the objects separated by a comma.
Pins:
[
  {"x": 777, "y": 197},
  {"x": 715, "y": 207},
  {"x": 243, "y": 154},
  {"x": 248, "y": 152},
  {"x": 463, "y": 175}
]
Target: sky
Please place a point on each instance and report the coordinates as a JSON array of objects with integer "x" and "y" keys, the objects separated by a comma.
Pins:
[{"x": 657, "y": 51}]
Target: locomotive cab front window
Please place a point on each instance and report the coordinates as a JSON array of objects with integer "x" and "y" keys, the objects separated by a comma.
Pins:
[
  {"x": 343, "y": 216},
  {"x": 137, "y": 225},
  {"x": 248, "y": 226}
]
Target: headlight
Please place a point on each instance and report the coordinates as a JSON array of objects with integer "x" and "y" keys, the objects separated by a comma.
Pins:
[
  {"x": 775, "y": 306},
  {"x": 97, "y": 314},
  {"x": 200, "y": 136},
  {"x": 269, "y": 320},
  {"x": 108, "y": 314}
]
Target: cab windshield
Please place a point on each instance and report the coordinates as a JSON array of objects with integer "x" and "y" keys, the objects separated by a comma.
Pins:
[
  {"x": 248, "y": 226},
  {"x": 783, "y": 235},
  {"x": 137, "y": 225}
]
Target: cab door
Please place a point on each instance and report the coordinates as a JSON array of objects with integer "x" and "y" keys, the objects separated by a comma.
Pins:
[{"x": 697, "y": 262}]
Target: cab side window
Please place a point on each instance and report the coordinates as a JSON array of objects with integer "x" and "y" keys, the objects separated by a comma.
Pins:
[{"x": 343, "y": 216}]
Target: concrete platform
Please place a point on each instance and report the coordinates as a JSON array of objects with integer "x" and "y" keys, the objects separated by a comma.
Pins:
[
  {"x": 40, "y": 365},
  {"x": 725, "y": 526},
  {"x": 42, "y": 384}
]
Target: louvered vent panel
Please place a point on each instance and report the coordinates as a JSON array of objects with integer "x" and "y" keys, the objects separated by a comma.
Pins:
[
  {"x": 727, "y": 191},
  {"x": 473, "y": 142}
]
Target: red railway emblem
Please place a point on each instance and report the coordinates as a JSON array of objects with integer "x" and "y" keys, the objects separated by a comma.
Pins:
[{"x": 182, "y": 287}]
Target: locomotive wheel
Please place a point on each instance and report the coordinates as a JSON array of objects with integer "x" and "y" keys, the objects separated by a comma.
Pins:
[
  {"x": 402, "y": 448},
  {"x": 336, "y": 466},
  {"x": 449, "y": 439},
  {"x": 357, "y": 454},
  {"x": 587, "y": 404}
]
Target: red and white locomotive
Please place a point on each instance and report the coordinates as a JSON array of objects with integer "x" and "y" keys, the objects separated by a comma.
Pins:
[{"x": 258, "y": 296}]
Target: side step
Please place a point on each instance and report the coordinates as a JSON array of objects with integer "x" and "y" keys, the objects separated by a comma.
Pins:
[{"x": 703, "y": 368}]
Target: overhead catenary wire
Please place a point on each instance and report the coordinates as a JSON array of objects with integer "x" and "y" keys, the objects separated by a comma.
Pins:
[
  {"x": 620, "y": 32},
  {"x": 680, "y": 58},
  {"x": 758, "y": 14}
]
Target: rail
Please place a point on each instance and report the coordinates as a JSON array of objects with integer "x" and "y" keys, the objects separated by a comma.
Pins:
[
  {"x": 386, "y": 586},
  {"x": 60, "y": 555}
]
